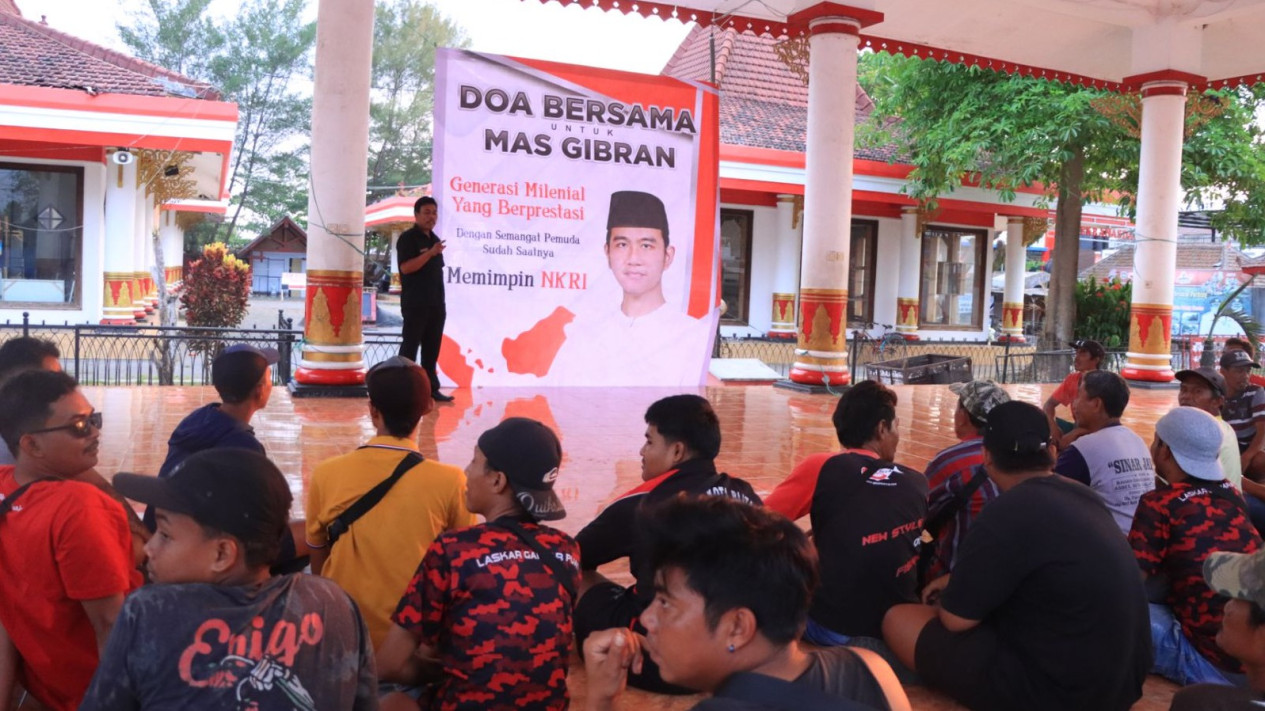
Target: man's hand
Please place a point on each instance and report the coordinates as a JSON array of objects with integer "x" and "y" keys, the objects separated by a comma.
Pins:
[
  {"x": 436, "y": 248},
  {"x": 608, "y": 655},
  {"x": 931, "y": 593}
]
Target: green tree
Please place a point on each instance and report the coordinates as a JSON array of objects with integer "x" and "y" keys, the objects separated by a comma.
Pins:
[
  {"x": 405, "y": 36},
  {"x": 1008, "y": 131},
  {"x": 260, "y": 59}
]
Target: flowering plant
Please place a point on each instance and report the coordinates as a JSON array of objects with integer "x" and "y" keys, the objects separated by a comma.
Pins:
[{"x": 216, "y": 288}]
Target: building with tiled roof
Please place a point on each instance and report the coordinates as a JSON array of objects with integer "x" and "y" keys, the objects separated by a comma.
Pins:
[
  {"x": 1196, "y": 262},
  {"x": 98, "y": 150},
  {"x": 763, "y": 132},
  {"x": 763, "y": 103}
]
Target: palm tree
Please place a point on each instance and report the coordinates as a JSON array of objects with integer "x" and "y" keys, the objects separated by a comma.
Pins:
[{"x": 1251, "y": 327}]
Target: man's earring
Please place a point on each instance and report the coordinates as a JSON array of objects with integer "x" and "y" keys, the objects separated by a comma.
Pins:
[{"x": 731, "y": 649}]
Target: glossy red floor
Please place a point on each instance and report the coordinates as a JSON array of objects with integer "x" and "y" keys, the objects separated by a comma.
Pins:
[{"x": 766, "y": 430}]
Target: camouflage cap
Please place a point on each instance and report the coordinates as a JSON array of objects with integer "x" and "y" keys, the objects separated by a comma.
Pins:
[
  {"x": 1237, "y": 575},
  {"x": 979, "y": 397}
]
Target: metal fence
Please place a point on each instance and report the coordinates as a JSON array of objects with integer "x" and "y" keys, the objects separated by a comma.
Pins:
[
  {"x": 155, "y": 355},
  {"x": 779, "y": 354},
  {"x": 1006, "y": 363}
]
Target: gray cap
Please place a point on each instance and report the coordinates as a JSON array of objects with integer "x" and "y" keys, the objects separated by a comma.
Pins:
[
  {"x": 1195, "y": 439},
  {"x": 978, "y": 397}
]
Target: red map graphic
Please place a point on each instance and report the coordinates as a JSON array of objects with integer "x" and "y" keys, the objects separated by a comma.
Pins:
[
  {"x": 533, "y": 350},
  {"x": 454, "y": 364}
]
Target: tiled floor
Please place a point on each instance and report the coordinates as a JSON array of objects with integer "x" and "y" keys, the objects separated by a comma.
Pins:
[{"x": 766, "y": 430}]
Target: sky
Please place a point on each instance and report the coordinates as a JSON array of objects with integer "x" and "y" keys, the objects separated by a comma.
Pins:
[{"x": 522, "y": 28}]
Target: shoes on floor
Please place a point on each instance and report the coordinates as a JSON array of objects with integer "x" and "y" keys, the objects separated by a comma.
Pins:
[{"x": 440, "y": 397}]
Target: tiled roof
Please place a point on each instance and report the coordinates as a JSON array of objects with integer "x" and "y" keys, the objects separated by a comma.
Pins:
[
  {"x": 34, "y": 54},
  {"x": 1206, "y": 257},
  {"x": 763, "y": 104}
]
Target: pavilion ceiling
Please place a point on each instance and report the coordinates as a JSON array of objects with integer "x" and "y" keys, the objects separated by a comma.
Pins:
[{"x": 1083, "y": 41}]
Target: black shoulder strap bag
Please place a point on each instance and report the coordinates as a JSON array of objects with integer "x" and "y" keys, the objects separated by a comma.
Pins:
[
  {"x": 7, "y": 504},
  {"x": 556, "y": 566},
  {"x": 783, "y": 695},
  {"x": 342, "y": 523},
  {"x": 927, "y": 550}
]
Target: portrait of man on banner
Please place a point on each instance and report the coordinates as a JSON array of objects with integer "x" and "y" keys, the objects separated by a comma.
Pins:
[{"x": 632, "y": 341}]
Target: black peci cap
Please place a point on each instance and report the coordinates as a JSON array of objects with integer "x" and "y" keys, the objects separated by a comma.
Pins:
[{"x": 630, "y": 208}]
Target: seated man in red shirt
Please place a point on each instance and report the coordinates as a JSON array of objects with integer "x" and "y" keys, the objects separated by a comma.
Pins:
[
  {"x": 65, "y": 547},
  {"x": 1175, "y": 529},
  {"x": 1089, "y": 355}
]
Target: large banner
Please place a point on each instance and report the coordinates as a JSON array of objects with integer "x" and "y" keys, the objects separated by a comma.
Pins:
[{"x": 580, "y": 211}]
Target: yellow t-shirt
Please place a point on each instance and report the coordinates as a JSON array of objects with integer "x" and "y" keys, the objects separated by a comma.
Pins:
[{"x": 375, "y": 560}]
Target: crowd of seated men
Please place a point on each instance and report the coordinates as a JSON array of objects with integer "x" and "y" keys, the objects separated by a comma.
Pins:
[{"x": 1036, "y": 564}]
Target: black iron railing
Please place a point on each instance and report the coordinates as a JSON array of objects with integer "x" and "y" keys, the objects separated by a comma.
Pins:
[{"x": 168, "y": 355}]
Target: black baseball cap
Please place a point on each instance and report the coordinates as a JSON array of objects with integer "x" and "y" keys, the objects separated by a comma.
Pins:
[
  {"x": 237, "y": 491},
  {"x": 1018, "y": 427},
  {"x": 238, "y": 368},
  {"x": 1094, "y": 348},
  {"x": 528, "y": 454}
]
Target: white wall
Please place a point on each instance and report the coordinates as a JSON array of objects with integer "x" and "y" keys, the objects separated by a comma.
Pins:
[
  {"x": 92, "y": 282},
  {"x": 887, "y": 272},
  {"x": 765, "y": 233}
]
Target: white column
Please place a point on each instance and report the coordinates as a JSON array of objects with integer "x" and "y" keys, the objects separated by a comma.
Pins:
[
  {"x": 1155, "y": 259},
  {"x": 907, "y": 314},
  {"x": 785, "y": 269},
  {"x": 151, "y": 217},
  {"x": 393, "y": 261},
  {"x": 333, "y": 348},
  {"x": 173, "y": 247},
  {"x": 140, "y": 305},
  {"x": 822, "y": 349},
  {"x": 1012, "y": 295},
  {"x": 120, "y": 225}
]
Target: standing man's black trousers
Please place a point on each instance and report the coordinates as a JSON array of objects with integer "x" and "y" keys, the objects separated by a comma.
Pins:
[{"x": 424, "y": 327}]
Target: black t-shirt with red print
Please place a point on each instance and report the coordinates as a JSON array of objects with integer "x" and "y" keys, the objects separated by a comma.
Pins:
[
  {"x": 496, "y": 615},
  {"x": 867, "y": 515},
  {"x": 1174, "y": 530}
]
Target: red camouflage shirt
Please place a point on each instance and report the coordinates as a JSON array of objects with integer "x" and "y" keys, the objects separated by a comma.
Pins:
[
  {"x": 1174, "y": 530},
  {"x": 497, "y": 617}
]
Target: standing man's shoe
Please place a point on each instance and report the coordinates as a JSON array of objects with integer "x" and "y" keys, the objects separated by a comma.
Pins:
[{"x": 440, "y": 397}]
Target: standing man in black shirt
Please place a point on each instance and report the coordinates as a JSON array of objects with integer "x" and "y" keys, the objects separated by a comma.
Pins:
[{"x": 420, "y": 253}]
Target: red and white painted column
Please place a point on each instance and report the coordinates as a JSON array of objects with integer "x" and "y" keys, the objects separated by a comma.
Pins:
[
  {"x": 910, "y": 268},
  {"x": 821, "y": 355},
  {"x": 1012, "y": 294},
  {"x": 785, "y": 269},
  {"x": 1155, "y": 258},
  {"x": 333, "y": 347},
  {"x": 120, "y": 227}
]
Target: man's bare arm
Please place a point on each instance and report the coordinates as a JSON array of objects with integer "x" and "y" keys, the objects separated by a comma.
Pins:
[{"x": 102, "y": 612}]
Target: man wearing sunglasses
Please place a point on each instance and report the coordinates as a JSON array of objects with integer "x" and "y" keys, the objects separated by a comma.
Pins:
[{"x": 65, "y": 547}]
